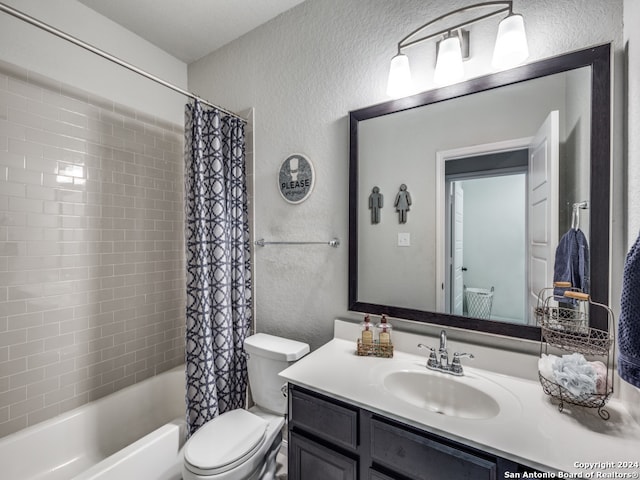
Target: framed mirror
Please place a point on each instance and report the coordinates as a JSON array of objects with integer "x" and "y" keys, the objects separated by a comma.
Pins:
[{"x": 411, "y": 158}]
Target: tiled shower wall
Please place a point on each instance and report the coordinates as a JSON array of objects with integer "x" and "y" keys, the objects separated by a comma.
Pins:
[{"x": 91, "y": 247}]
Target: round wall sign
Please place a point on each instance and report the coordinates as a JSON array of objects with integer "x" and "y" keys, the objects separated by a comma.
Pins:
[{"x": 296, "y": 178}]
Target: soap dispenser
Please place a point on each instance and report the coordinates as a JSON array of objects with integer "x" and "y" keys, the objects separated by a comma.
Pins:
[
  {"x": 367, "y": 331},
  {"x": 384, "y": 331}
]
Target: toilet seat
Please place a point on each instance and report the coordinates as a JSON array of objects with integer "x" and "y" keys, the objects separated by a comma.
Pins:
[{"x": 225, "y": 442}]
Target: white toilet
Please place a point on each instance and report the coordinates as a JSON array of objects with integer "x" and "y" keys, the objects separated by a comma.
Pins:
[{"x": 243, "y": 444}]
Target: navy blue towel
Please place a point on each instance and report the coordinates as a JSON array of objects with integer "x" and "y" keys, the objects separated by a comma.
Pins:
[
  {"x": 629, "y": 322},
  {"x": 572, "y": 263}
]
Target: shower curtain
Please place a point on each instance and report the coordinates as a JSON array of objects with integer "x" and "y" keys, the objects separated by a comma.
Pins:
[{"x": 218, "y": 269}]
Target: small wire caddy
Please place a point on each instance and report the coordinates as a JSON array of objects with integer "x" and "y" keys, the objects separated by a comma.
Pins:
[{"x": 564, "y": 323}]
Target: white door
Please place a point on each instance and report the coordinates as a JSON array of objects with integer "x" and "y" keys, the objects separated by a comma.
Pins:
[
  {"x": 543, "y": 207},
  {"x": 457, "y": 209}
]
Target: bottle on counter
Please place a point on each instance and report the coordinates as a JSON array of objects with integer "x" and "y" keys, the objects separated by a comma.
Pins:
[
  {"x": 384, "y": 331},
  {"x": 367, "y": 331}
]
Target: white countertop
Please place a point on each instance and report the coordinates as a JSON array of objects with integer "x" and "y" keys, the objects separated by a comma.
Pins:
[{"x": 529, "y": 428}]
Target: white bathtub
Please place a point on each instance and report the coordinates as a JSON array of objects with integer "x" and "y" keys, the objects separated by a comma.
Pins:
[{"x": 133, "y": 434}]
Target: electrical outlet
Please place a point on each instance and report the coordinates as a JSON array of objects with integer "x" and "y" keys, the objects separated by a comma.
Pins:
[{"x": 404, "y": 239}]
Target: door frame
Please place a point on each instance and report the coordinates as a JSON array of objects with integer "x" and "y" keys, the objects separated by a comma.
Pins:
[{"x": 443, "y": 156}]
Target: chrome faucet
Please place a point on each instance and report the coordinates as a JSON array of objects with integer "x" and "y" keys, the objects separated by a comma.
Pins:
[
  {"x": 440, "y": 362},
  {"x": 442, "y": 351}
]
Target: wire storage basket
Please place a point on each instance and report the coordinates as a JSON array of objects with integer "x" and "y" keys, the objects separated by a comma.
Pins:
[
  {"x": 565, "y": 325},
  {"x": 479, "y": 302}
]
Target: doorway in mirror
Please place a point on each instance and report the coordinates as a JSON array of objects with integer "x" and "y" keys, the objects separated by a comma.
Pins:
[
  {"x": 499, "y": 226},
  {"x": 485, "y": 234}
]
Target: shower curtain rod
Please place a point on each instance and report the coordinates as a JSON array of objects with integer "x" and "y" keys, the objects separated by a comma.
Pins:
[{"x": 65, "y": 36}]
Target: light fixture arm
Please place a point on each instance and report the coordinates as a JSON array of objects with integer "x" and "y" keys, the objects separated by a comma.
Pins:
[{"x": 505, "y": 6}]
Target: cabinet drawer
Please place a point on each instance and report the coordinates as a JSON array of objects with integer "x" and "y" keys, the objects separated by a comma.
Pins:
[
  {"x": 311, "y": 461},
  {"x": 374, "y": 475},
  {"x": 421, "y": 458},
  {"x": 332, "y": 421}
]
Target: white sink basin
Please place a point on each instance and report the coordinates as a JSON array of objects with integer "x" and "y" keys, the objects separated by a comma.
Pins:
[{"x": 445, "y": 394}]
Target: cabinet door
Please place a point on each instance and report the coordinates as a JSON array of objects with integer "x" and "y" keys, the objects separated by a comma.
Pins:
[
  {"x": 311, "y": 461},
  {"x": 423, "y": 458},
  {"x": 326, "y": 418}
]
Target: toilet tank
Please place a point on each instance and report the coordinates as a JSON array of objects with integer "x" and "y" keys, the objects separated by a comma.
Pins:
[{"x": 268, "y": 355}]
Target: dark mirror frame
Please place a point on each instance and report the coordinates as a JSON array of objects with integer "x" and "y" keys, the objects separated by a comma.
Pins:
[{"x": 599, "y": 59}]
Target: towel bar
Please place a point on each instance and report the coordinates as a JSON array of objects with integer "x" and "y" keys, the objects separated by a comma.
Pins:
[{"x": 334, "y": 242}]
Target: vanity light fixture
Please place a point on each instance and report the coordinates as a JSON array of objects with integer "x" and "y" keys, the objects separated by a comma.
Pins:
[{"x": 453, "y": 46}]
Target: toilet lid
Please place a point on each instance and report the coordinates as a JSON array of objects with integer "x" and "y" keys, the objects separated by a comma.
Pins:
[{"x": 225, "y": 442}]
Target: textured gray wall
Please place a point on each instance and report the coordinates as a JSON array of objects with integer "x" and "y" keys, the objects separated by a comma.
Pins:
[{"x": 303, "y": 72}]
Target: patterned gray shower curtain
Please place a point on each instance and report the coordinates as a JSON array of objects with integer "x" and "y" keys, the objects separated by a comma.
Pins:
[{"x": 218, "y": 276}]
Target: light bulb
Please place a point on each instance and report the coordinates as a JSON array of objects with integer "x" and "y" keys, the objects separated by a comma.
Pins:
[
  {"x": 449, "y": 67},
  {"x": 399, "y": 83},
  {"x": 511, "y": 43}
]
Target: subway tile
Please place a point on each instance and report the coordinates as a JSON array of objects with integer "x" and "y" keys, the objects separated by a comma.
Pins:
[
  {"x": 112, "y": 118},
  {"x": 13, "y": 367},
  {"x": 74, "y": 402},
  {"x": 21, "y": 176},
  {"x": 24, "y": 378},
  {"x": 29, "y": 405},
  {"x": 74, "y": 325},
  {"x": 134, "y": 368},
  {"x": 71, "y": 352},
  {"x": 44, "y": 331},
  {"x": 12, "y": 131},
  {"x": 58, "y": 395},
  {"x": 26, "y": 119},
  {"x": 25, "y": 291},
  {"x": 42, "y": 414},
  {"x": 88, "y": 384},
  {"x": 13, "y": 160},
  {"x": 68, "y": 371},
  {"x": 24, "y": 89},
  {"x": 28, "y": 349},
  {"x": 41, "y": 220},
  {"x": 144, "y": 374},
  {"x": 93, "y": 296},
  {"x": 60, "y": 341},
  {"x": 42, "y": 388},
  {"x": 13, "y": 337},
  {"x": 101, "y": 391},
  {"x": 58, "y": 315},
  {"x": 112, "y": 141},
  {"x": 24, "y": 147},
  {"x": 43, "y": 359},
  {"x": 113, "y": 376},
  {"x": 37, "y": 192},
  {"x": 13, "y": 101},
  {"x": 13, "y": 426},
  {"x": 100, "y": 343}
]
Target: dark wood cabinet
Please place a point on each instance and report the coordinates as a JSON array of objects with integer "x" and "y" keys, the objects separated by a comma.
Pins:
[
  {"x": 422, "y": 458},
  {"x": 313, "y": 461},
  {"x": 334, "y": 440}
]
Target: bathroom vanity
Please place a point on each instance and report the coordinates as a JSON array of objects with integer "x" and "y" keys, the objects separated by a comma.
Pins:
[
  {"x": 330, "y": 439},
  {"x": 354, "y": 417}
]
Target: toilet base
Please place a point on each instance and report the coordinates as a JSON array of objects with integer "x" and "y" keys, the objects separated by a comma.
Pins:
[{"x": 265, "y": 457}]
